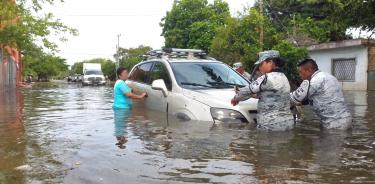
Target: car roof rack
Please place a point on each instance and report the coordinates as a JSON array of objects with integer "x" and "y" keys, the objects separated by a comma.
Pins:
[{"x": 174, "y": 53}]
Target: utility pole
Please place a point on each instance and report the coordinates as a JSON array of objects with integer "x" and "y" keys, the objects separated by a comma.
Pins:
[
  {"x": 117, "y": 54},
  {"x": 261, "y": 36},
  {"x": 294, "y": 39}
]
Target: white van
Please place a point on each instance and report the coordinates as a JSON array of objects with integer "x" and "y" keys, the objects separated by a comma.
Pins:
[{"x": 191, "y": 86}]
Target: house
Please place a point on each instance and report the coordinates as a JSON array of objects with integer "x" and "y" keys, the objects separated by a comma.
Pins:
[
  {"x": 10, "y": 68},
  {"x": 352, "y": 62},
  {"x": 10, "y": 58}
]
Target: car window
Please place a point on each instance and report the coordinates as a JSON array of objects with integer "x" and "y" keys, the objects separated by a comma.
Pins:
[
  {"x": 206, "y": 75},
  {"x": 142, "y": 73},
  {"x": 159, "y": 71}
]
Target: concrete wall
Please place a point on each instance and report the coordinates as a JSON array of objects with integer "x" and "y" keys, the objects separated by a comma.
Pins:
[
  {"x": 360, "y": 53},
  {"x": 8, "y": 73},
  {"x": 3, "y": 71},
  {"x": 371, "y": 69}
]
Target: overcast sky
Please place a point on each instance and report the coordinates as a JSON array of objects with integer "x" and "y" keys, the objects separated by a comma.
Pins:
[{"x": 99, "y": 22}]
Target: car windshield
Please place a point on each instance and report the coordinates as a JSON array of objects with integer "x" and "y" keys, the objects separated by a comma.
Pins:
[
  {"x": 206, "y": 75},
  {"x": 93, "y": 72}
]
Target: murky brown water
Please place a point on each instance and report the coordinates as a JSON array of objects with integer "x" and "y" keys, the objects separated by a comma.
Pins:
[{"x": 68, "y": 134}]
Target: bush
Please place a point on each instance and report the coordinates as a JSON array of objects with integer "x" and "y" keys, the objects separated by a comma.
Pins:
[{"x": 291, "y": 55}]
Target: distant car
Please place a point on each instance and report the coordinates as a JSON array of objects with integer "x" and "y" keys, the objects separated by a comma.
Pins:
[
  {"x": 191, "y": 86},
  {"x": 76, "y": 78},
  {"x": 79, "y": 78}
]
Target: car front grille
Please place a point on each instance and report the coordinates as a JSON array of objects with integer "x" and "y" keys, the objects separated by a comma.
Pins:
[{"x": 95, "y": 79}]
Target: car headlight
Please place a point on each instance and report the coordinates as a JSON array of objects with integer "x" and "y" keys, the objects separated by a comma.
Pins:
[{"x": 226, "y": 115}]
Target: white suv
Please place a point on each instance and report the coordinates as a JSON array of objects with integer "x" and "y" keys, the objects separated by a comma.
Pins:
[{"x": 188, "y": 84}]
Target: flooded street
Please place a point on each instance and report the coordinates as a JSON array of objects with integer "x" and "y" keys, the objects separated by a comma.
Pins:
[{"x": 65, "y": 133}]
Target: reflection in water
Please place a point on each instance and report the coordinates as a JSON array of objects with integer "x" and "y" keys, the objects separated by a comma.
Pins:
[
  {"x": 12, "y": 142},
  {"x": 121, "y": 118},
  {"x": 65, "y": 133}
]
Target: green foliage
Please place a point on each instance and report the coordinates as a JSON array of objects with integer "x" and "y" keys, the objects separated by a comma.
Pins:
[
  {"x": 7, "y": 12},
  {"x": 193, "y": 23},
  {"x": 43, "y": 66},
  {"x": 23, "y": 24},
  {"x": 291, "y": 55},
  {"x": 129, "y": 64},
  {"x": 132, "y": 56},
  {"x": 360, "y": 14},
  {"x": 238, "y": 40},
  {"x": 109, "y": 69},
  {"x": 286, "y": 24},
  {"x": 321, "y": 20},
  {"x": 77, "y": 68},
  {"x": 310, "y": 28}
]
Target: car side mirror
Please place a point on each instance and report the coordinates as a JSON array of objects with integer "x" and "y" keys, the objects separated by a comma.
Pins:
[{"x": 160, "y": 85}]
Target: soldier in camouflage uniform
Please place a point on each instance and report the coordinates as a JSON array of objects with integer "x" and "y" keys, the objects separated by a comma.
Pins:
[
  {"x": 240, "y": 69},
  {"x": 272, "y": 88},
  {"x": 324, "y": 93}
]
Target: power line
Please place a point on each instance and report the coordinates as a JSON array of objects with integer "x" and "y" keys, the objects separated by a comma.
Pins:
[
  {"x": 107, "y": 15},
  {"x": 117, "y": 53},
  {"x": 92, "y": 54},
  {"x": 261, "y": 37},
  {"x": 277, "y": 17}
]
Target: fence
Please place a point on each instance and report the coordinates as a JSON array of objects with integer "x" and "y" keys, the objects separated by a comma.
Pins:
[{"x": 8, "y": 71}]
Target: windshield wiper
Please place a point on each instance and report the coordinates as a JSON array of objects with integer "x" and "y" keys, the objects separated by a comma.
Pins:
[
  {"x": 226, "y": 84},
  {"x": 194, "y": 84}
]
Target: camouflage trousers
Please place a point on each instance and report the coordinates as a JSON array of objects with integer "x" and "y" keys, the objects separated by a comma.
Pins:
[
  {"x": 342, "y": 123},
  {"x": 278, "y": 122}
]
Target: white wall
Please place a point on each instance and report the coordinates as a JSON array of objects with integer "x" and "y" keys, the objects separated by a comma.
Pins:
[{"x": 360, "y": 53}]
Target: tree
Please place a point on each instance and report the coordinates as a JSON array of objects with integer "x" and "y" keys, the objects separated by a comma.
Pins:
[
  {"x": 238, "y": 40},
  {"x": 325, "y": 14},
  {"x": 22, "y": 25},
  {"x": 43, "y": 65},
  {"x": 288, "y": 26},
  {"x": 291, "y": 56},
  {"x": 360, "y": 14},
  {"x": 109, "y": 69},
  {"x": 132, "y": 56},
  {"x": 193, "y": 23},
  {"x": 319, "y": 20},
  {"x": 77, "y": 68}
]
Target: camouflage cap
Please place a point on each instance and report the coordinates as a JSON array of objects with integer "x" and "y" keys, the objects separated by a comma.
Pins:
[{"x": 267, "y": 55}]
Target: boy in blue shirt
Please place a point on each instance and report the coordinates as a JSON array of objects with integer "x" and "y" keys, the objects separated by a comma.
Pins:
[{"x": 122, "y": 104}]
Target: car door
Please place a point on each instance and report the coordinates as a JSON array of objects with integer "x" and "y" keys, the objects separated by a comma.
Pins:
[
  {"x": 156, "y": 98},
  {"x": 139, "y": 80}
]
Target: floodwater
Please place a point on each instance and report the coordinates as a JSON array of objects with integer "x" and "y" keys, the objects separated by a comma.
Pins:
[{"x": 65, "y": 133}]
